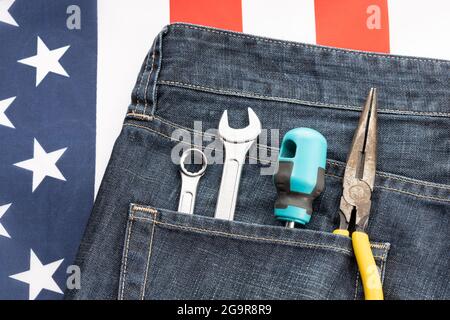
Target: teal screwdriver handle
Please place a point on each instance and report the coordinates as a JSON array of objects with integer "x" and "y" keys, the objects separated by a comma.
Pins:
[{"x": 301, "y": 174}]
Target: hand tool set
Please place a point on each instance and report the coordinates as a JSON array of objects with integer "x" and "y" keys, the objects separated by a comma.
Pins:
[{"x": 300, "y": 179}]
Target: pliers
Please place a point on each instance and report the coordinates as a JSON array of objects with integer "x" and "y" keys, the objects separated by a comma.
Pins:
[{"x": 355, "y": 203}]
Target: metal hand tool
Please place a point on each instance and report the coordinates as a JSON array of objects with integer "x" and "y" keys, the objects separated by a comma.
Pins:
[
  {"x": 301, "y": 174},
  {"x": 355, "y": 203},
  {"x": 236, "y": 142},
  {"x": 189, "y": 180}
]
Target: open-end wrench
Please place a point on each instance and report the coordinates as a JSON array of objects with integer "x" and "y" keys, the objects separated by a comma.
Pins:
[
  {"x": 237, "y": 142},
  {"x": 189, "y": 180}
]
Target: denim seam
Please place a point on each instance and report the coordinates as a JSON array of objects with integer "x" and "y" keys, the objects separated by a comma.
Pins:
[
  {"x": 241, "y": 236},
  {"x": 306, "y": 46},
  {"x": 328, "y": 174},
  {"x": 140, "y": 83},
  {"x": 331, "y": 162},
  {"x": 384, "y": 261},
  {"x": 399, "y": 178},
  {"x": 141, "y": 116},
  {"x": 155, "y": 88},
  {"x": 356, "y": 285},
  {"x": 178, "y": 126},
  {"x": 153, "y": 212},
  {"x": 401, "y": 191},
  {"x": 125, "y": 262},
  {"x": 150, "y": 246},
  {"x": 321, "y": 199},
  {"x": 184, "y": 142},
  {"x": 381, "y": 272},
  {"x": 148, "y": 81},
  {"x": 252, "y": 95},
  {"x": 381, "y": 246},
  {"x": 414, "y": 194},
  {"x": 414, "y": 181}
]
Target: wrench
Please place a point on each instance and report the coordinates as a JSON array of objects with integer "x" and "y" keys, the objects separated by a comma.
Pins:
[
  {"x": 237, "y": 142},
  {"x": 189, "y": 180}
]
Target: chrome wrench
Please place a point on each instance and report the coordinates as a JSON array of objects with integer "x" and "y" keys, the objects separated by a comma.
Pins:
[
  {"x": 189, "y": 180},
  {"x": 236, "y": 142}
]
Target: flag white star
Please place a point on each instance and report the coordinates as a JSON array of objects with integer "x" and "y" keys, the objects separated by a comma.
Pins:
[
  {"x": 5, "y": 16},
  {"x": 46, "y": 61},
  {"x": 39, "y": 276},
  {"x": 42, "y": 164},
  {"x": 3, "y": 210},
  {"x": 4, "y": 104}
]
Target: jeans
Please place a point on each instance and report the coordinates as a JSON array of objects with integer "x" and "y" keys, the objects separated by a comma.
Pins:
[{"x": 136, "y": 246}]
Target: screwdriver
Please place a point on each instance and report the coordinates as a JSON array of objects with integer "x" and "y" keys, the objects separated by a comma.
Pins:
[{"x": 301, "y": 175}]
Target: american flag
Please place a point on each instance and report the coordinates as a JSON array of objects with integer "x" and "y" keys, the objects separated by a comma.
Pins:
[{"x": 67, "y": 69}]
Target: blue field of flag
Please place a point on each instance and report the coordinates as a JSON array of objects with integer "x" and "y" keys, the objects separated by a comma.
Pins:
[{"x": 48, "y": 57}]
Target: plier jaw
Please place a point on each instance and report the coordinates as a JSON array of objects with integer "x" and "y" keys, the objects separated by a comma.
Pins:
[
  {"x": 354, "y": 209},
  {"x": 359, "y": 176}
]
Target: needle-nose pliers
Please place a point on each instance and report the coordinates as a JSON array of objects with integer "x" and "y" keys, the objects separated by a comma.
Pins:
[{"x": 355, "y": 202}]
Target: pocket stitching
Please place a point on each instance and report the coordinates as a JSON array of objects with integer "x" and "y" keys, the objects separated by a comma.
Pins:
[
  {"x": 150, "y": 247},
  {"x": 125, "y": 260},
  {"x": 383, "y": 265},
  {"x": 356, "y": 285},
  {"x": 235, "y": 235}
]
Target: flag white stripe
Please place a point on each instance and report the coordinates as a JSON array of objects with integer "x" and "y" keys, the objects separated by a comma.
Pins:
[
  {"x": 125, "y": 34},
  {"x": 287, "y": 20},
  {"x": 420, "y": 28}
]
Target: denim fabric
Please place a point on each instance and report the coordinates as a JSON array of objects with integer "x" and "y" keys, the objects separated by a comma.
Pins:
[{"x": 137, "y": 246}]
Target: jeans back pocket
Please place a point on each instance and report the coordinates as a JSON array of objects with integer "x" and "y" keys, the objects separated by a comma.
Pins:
[{"x": 171, "y": 255}]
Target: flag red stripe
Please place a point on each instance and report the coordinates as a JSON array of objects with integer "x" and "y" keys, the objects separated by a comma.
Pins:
[
  {"x": 353, "y": 24},
  {"x": 224, "y": 14}
]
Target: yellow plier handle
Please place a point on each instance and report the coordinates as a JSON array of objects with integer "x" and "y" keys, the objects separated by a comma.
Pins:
[{"x": 368, "y": 269}]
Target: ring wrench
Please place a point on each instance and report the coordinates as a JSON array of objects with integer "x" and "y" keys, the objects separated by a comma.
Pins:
[
  {"x": 189, "y": 180},
  {"x": 236, "y": 142}
]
